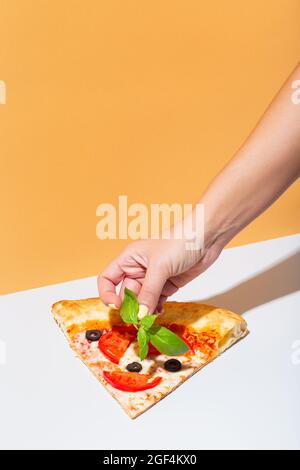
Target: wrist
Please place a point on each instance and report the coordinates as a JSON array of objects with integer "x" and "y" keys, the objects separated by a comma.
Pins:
[{"x": 218, "y": 227}]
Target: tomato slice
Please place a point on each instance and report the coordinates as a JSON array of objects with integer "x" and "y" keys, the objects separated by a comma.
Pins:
[
  {"x": 129, "y": 331},
  {"x": 152, "y": 350},
  {"x": 113, "y": 345},
  {"x": 130, "y": 381}
]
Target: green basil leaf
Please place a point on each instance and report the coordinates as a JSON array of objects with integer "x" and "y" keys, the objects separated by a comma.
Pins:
[
  {"x": 148, "y": 321},
  {"x": 130, "y": 307},
  {"x": 143, "y": 339},
  {"x": 167, "y": 342}
]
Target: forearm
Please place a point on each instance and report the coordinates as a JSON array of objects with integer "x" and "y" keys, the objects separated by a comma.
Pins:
[
  {"x": 267, "y": 163},
  {"x": 262, "y": 169}
]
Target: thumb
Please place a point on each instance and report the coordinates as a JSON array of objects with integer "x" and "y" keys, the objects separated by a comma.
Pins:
[{"x": 152, "y": 287}]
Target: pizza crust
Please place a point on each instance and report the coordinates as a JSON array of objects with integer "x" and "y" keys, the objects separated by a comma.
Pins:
[{"x": 75, "y": 317}]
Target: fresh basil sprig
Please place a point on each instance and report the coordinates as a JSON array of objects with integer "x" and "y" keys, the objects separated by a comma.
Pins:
[
  {"x": 143, "y": 340},
  {"x": 143, "y": 335},
  {"x": 163, "y": 339},
  {"x": 167, "y": 342},
  {"x": 130, "y": 308},
  {"x": 148, "y": 321}
]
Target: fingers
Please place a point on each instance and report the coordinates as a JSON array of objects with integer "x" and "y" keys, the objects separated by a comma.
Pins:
[
  {"x": 142, "y": 269},
  {"x": 169, "y": 289},
  {"x": 133, "y": 284},
  {"x": 151, "y": 290},
  {"x": 161, "y": 302},
  {"x": 107, "y": 282}
]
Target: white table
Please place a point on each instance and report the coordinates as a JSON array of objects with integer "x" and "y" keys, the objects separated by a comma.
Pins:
[{"x": 247, "y": 398}]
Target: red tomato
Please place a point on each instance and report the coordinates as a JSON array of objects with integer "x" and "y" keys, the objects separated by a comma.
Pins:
[
  {"x": 129, "y": 331},
  {"x": 130, "y": 381},
  {"x": 152, "y": 350},
  {"x": 113, "y": 345}
]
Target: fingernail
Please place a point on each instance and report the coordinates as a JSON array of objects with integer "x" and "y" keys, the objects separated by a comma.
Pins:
[
  {"x": 143, "y": 311},
  {"x": 112, "y": 306}
]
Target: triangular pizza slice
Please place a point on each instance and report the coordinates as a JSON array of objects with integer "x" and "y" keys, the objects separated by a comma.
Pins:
[{"x": 109, "y": 347}]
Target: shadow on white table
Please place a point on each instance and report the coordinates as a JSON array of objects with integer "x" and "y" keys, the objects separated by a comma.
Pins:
[{"x": 277, "y": 281}]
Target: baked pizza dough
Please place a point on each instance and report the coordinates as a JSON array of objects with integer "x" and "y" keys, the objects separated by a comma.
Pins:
[{"x": 208, "y": 330}]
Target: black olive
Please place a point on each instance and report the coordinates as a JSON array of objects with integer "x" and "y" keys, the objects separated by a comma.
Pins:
[
  {"x": 134, "y": 367},
  {"x": 172, "y": 365},
  {"x": 93, "y": 335}
]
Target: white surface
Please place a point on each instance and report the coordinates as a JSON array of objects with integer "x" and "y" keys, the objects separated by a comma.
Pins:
[{"x": 247, "y": 398}]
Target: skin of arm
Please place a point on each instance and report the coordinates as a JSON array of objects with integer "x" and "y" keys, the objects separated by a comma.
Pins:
[{"x": 261, "y": 170}]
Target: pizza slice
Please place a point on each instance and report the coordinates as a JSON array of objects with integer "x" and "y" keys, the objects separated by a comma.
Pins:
[{"x": 109, "y": 347}]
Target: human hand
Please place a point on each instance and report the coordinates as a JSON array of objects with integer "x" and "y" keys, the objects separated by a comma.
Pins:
[
  {"x": 263, "y": 168},
  {"x": 154, "y": 270}
]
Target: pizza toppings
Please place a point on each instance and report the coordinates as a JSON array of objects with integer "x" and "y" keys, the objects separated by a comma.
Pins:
[
  {"x": 93, "y": 335},
  {"x": 114, "y": 344},
  {"x": 172, "y": 365},
  {"x": 167, "y": 342},
  {"x": 152, "y": 340},
  {"x": 127, "y": 330},
  {"x": 205, "y": 341},
  {"x": 130, "y": 381},
  {"x": 152, "y": 351},
  {"x": 134, "y": 367},
  {"x": 109, "y": 345}
]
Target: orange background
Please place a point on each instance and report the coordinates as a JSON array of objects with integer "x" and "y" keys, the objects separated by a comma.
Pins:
[{"x": 147, "y": 99}]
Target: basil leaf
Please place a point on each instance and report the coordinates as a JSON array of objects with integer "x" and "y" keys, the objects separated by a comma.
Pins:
[
  {"x": 167, "y": 342},
  {"x": 148, "y": 321},
  {"x": 143, "y": 339},
  {"x": 130, "y": 307}
]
